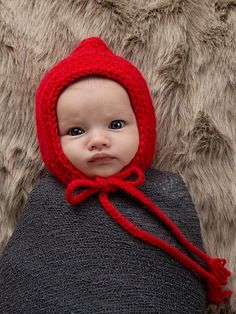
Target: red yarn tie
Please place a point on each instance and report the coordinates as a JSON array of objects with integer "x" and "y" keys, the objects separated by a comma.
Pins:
[{"x": 215, "y": 273}]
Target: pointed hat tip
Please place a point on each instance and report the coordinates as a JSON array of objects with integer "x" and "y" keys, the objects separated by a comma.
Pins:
[{"x": 91, "y": 43}]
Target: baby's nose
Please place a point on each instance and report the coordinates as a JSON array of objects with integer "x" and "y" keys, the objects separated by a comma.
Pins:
[{"x": 98, "y": 141}]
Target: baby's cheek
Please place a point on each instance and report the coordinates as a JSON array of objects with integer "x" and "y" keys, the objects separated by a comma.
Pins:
[
  {"x": 66, "y": 147},
  {"x": 63, "y": 145}
]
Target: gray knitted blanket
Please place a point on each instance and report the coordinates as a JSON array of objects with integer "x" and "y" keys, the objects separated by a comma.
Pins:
[{"x": 76, "y": 259}]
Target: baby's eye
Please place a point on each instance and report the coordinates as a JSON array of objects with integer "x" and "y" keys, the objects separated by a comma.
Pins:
[
  {"x": 117, "y": 124},
  {"x": 75, "y": 131}
]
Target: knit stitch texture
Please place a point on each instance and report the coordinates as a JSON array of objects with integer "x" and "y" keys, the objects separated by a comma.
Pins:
[{"x": 77, "y": 259}]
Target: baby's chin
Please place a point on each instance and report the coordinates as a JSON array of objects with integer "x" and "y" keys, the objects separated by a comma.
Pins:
[{"x": 103, "y": 172}]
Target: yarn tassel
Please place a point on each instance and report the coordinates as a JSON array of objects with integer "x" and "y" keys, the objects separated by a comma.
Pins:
[
  {"x": 215, "y": 293},
  {"x": 217, "y": 268}
]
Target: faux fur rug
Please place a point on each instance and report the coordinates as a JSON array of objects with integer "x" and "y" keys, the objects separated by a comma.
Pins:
[{"x": 186, "y": 50}]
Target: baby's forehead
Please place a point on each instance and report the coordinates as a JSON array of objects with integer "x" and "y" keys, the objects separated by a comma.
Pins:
[
  {"x": 90, "y": 82},
  {"x": 91, "y": 91}
]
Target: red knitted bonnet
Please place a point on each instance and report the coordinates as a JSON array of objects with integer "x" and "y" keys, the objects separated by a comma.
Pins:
[{"x": 93, "y": 57}]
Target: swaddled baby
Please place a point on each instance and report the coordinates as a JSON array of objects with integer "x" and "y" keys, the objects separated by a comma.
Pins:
[{"x": 103, "y": 232}]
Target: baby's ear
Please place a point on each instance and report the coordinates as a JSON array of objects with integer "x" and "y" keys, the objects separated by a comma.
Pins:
[{"x": 90, "y": 44}]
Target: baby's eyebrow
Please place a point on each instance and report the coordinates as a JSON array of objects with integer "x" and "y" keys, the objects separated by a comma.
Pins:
[
  {"x": 108, "y": 115},
  {"x": 72, "y": 120},
  {"x": 118, "y": 113}
]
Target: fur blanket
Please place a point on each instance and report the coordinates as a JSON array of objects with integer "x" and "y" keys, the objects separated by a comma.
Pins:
[{"x": 186, "y": 51}]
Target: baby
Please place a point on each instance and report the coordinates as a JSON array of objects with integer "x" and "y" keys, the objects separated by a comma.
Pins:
[
  {"x": 104, "y": 245},
  {"x": 97, "y": 126}
]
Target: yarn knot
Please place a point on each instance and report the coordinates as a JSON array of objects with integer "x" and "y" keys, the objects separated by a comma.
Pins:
[{"x": 102, "y": 185}]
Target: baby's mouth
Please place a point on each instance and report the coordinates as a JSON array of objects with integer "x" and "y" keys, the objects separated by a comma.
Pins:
[{"x": 101, "y": 157}]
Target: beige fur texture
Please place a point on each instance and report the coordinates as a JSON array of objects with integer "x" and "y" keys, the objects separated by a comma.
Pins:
[{"x": 186, "y": 50}]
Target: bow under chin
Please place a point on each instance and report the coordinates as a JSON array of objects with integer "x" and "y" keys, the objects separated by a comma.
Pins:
[
  {"x": 105, "y": 185},
  {"x": 215, "y": 274}
]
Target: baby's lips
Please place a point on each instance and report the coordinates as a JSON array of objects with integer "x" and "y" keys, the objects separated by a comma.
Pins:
[{"x": 99, "y": 156}]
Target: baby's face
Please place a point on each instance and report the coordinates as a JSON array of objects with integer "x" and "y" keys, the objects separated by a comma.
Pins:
[{"x": 97, "y": 126}]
